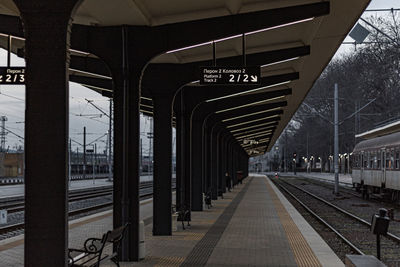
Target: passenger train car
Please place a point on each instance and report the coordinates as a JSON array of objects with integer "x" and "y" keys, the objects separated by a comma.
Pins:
[{"x": 376, "y": 167}]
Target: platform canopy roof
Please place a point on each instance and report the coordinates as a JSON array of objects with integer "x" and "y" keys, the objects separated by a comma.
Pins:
[{"x": 324, "y": 34}]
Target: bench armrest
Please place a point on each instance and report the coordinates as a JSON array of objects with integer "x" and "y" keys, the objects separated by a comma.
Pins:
[{"x": 77, "y": 250}]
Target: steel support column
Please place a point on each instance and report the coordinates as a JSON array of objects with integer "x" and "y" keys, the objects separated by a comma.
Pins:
[
  {"x": 126, "y": 149},
  {"x": 220, "y": 178},
  {"x": 206, "y": 158},
  {"x": 222, "y": 161},
  {"x": 179, "y": 181},
  {"x": 213, "y": 163},
  {"x": 162, "y": 193},
  {"x": 185, "y": 135},
  {"x": 196, "y": 166},
  {"x": 183, "y": 154},
  {"x": 46, "y": 130}
]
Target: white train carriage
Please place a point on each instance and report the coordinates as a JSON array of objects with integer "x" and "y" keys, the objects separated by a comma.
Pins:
[{"x": 376, "y": 166}]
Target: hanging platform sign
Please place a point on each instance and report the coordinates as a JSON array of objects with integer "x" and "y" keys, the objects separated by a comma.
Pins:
[
  {"x": 230, "y": 75},
  {"x": 12, "y": 75}
]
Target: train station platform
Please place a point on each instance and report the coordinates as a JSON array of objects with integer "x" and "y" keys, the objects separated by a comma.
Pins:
[{"x": 254, "y": 225}]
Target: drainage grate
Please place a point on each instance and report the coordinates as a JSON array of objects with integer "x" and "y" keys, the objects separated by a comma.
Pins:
[{"x": 203, "y": 249}]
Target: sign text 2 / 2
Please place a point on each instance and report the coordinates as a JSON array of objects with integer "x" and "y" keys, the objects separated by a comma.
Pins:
[{"x": 214, "y": 75}]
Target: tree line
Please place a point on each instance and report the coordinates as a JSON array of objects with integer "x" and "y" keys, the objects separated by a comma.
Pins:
[{"x": 368, "y": 79}]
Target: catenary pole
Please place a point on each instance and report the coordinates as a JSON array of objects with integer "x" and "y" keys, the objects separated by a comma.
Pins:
[
  {"x": 69, "y": 161},
  {"x": 84, "y": 152},
  {"x": 110, "y": 143},
  {"x": 336, "y": 139}
]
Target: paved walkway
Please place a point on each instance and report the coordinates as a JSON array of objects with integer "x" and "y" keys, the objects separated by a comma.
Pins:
[{"x": 254, "y": 225}]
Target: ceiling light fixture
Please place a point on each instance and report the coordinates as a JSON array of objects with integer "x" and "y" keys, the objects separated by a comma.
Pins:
[
  {"x": 250, "y": 91},
  {"x": 246, "y": 122},
  {"x": 240, "y": 35}
]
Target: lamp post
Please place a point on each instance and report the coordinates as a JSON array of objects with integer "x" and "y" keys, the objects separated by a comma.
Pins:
[
  {"x": 91, "y": 151},
  {"x": 320, "y": 162},
  {"x": 336, "y": 139}
]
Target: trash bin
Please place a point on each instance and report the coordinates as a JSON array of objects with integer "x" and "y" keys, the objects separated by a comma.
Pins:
[{"x": 174, "y": 222}]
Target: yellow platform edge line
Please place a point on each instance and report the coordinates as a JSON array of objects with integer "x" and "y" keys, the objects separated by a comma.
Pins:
[{"x": 303, "y": 254}]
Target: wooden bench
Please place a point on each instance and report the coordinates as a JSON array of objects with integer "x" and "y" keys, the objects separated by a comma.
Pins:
[{"x": 92, "y": 252}]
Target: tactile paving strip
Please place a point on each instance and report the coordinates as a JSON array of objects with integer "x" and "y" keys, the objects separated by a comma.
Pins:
[
  {"x": 203, "y": 249},
  {"x": 303, "y": 254},
  {"x": 169, "y": 261}
]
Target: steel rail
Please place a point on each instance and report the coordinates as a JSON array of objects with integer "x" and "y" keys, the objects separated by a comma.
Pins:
[
  {"x": 344, "y": 239},
  {"x": 389, "y": 235},
  {"x": 19, "y": 226}
]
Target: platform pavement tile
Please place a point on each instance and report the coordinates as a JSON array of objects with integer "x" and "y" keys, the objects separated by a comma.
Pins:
[
  {"x": 172, "y": 250},
  {"x": 254, "y": 236},
  {"x": 95, "y": 229},
  {"x": 12, "y": 257},
  {"x": 249, "y": 257}
]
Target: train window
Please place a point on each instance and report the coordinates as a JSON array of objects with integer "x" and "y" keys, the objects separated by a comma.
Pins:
[
  {"x": 388, "y": 165},
  {"x": 365, "y": 161},
  {"x": 391, "y": 159},
  {"x": 377, "y": 160},
  {"x": 397, "y": 159},
  {"x": 357, "y": 158}
]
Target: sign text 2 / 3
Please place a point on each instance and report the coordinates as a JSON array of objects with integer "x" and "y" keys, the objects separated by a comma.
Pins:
[
  {"x": 12, "y": 75},
  {"x": 229, "y": 75}
]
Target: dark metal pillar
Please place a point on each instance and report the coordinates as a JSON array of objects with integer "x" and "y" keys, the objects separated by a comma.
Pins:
[
  {"x": 179, "y": 181},
  {"x": 183, "y": 135},
  {"x": 230, "y": 162},
  {"x": 196, "y": 166},
  {"x": 246, "y": 167},
  {"x": 46, "y": 130},
  {"x": 162, "y": 198},
  {"x": 225, "y": 145},
  {"x": 217, "y": 171},
  {"x": 206, "y": 158},
  {"x": 126, "y": 148},
  {"x": 213, "y": 163},
  {"x": 222, "y": 168},
  {"x": 235, "y": 165},
  {"x": 186, "y": 135}
]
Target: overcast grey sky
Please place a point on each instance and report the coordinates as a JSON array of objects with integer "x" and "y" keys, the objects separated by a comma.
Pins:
[
  {"x": 12, "y": 105},
  {"x": 12, "y": 100}
]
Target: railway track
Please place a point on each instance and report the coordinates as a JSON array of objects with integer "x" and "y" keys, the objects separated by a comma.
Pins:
[
  {"x": 344, "y": 188},
  {"x": 17, "y": 205},
  {"x": 146, "y": 191},
  {"x": 351, "y": 229}
]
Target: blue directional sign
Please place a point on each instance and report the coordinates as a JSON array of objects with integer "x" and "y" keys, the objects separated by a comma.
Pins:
[
  {"x": 12, "y": 75},
  {"x": 229, "y": 75}
]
